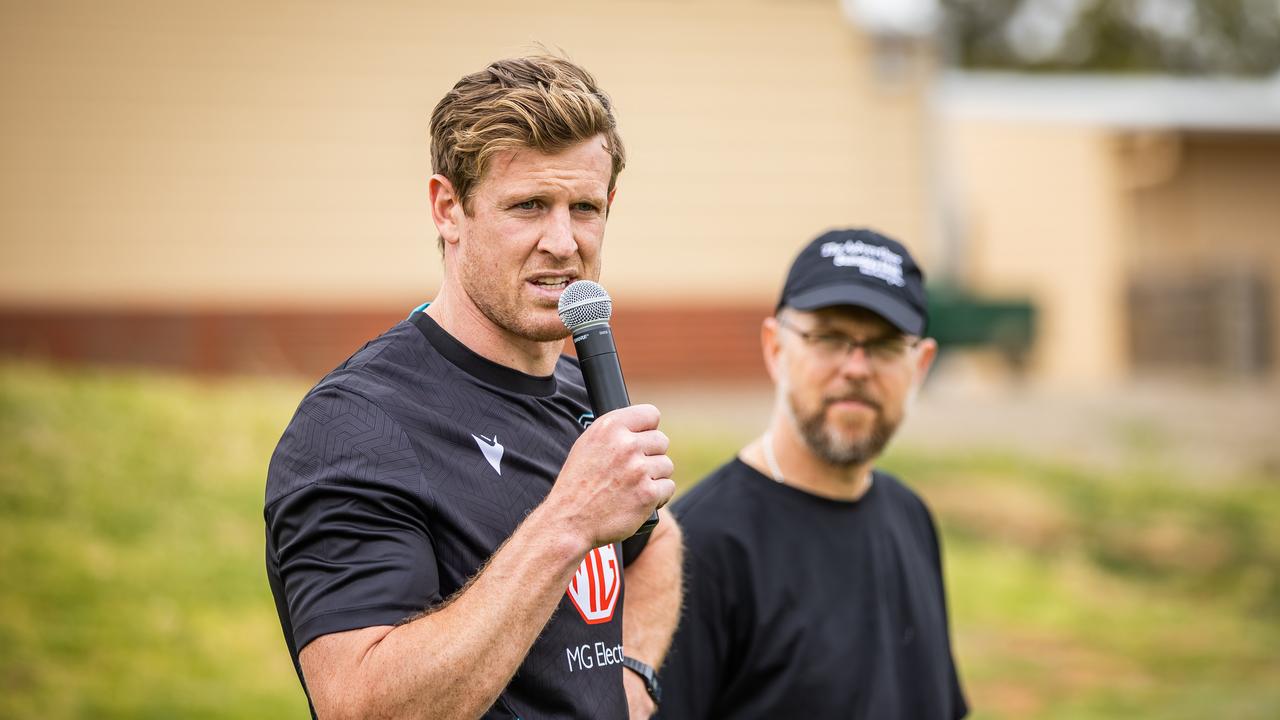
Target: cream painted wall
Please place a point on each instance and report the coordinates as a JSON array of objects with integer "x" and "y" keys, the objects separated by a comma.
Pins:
[
  {"x": 1045, "y": 217},
  {"x": 1216, "y": 210},
  {"x": 246, "y": 154}
]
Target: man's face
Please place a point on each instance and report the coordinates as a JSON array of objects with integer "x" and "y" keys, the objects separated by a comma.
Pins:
[
  {"x": 846, "y": 404},
  {"x": 536, "y": 224}
]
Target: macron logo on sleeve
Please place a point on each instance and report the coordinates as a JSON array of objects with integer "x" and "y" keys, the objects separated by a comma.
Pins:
[{"x": 492, "y": 451}]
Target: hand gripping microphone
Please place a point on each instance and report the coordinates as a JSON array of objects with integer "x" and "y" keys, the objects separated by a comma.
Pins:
[{"x": 585, "y": 308}]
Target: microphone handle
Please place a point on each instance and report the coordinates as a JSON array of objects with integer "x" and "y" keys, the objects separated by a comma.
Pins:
[
  {"x": 607, "y": 391},
  {"x": 605, "y": 386}
]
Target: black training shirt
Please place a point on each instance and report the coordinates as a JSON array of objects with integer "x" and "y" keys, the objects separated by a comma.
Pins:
[
  {"x": 401, "y": 473},
  {"x": 798, "y": 606}
]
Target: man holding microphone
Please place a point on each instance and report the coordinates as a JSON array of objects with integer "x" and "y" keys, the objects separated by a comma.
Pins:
[{"x": 442, "y": 517}]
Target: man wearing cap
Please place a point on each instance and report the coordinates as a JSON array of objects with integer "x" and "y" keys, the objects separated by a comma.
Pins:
[{"x": 814, "y": 581}]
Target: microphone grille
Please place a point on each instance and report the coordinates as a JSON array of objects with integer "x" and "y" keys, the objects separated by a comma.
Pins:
[{"x": 582, "y": 303}]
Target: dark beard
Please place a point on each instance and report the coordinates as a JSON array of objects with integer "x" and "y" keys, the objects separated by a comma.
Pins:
[{"x": 841, "y": 453}]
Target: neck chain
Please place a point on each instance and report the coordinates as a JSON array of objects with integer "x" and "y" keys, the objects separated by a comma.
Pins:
[{"x": 772, "y": 461}]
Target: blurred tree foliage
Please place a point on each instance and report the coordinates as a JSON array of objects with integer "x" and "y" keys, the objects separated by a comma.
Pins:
[{"x": 1191, "y": 37}]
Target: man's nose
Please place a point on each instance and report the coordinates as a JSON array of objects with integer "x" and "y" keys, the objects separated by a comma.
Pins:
[
  {"x": 856, "y": 363},
  {"x": 557, "y": 235}
]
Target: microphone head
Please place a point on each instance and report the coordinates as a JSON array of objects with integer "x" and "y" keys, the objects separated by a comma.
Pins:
[{"x": 584, "y": 303}]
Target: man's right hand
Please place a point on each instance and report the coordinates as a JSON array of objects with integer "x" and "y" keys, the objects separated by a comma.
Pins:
[{"x": 616, "y": 475}]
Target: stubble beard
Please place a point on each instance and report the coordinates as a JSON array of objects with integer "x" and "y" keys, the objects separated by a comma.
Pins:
[
  {"x": 523, "y": 322},
  {"x": 506, "y": 311}
]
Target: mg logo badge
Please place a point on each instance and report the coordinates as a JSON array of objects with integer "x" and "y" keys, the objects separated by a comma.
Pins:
[{"x": 594, "y": 588}]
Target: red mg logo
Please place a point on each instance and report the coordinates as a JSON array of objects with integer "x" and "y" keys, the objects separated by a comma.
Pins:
[{"x": 594, "y": 589}]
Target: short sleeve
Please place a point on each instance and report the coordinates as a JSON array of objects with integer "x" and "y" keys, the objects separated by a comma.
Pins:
[
  {"x": 693, "y": 675},
  {"x": 346, "y": 523},
  {"x": 959, "y": 703}
]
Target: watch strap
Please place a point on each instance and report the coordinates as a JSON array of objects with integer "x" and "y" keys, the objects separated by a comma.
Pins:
[{"x": 647, "y": 674}]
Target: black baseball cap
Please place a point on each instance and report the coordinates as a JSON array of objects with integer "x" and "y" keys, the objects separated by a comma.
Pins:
[{"x": 863, "y": 268}]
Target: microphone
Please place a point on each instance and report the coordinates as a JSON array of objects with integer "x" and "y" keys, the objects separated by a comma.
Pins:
[{"x": 585, "y": 308}]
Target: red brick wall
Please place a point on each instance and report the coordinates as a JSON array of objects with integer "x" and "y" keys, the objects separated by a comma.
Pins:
[{"x": 654, "y": 343}]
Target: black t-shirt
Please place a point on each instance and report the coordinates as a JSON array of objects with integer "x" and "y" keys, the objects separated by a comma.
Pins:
[
  {"x": 799, "y": 606},
  {"x": 402, "y": 472}
]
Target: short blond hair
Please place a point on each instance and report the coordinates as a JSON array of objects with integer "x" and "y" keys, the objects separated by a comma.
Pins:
[{"x": 541, "y": 102}]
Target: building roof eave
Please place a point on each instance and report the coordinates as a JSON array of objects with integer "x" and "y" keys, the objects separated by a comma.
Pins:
[{"x": 1135, "y": 102}]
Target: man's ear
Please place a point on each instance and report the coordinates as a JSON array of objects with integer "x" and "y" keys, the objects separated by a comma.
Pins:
[
  {"x": 771, "y": 347},
  {"x": 446, "y": 206},
  {"x": 926, "y": 351}
]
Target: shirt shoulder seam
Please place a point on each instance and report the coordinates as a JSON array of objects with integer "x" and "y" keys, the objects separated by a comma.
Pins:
[{"x": 398, "y": 425}]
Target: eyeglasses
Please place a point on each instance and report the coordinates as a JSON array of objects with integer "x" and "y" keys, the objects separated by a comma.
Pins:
[{"x": 835, "y": 347}]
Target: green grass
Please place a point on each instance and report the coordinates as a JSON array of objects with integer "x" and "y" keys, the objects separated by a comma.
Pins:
[
  {"x": 131, "y": 540},
  {"x": 1079, "y": 593},
  {"x": 133, "y": 582}
]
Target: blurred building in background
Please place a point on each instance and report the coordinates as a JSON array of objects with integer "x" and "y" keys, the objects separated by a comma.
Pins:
[
  {"x": 1140, "y": 214},
  {"x": 242, "y": 187}
]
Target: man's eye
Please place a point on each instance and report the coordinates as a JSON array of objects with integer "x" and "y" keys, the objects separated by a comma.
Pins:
[
  {"x": 527, "y": 205},
  {"x": 834, "y": 343},
  {"x": 586, "y": 207},
  {"x": 887, "y": 347}
]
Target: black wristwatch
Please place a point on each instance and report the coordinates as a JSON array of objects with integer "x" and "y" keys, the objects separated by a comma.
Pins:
[{"x": 647, "y": 674}]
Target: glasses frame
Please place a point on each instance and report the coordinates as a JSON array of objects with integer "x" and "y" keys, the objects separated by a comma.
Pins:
[{"x": 813, "y": 340}]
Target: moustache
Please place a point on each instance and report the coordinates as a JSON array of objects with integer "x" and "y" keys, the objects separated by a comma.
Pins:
[{"x": 854, "y": 395}]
